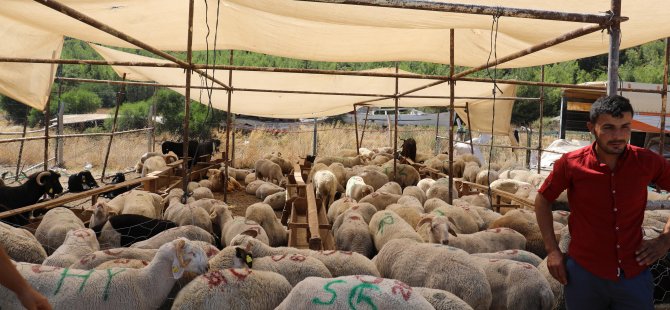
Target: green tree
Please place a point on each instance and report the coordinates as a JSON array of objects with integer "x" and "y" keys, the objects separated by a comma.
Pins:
[
  {"x": 15, "y": 111},
  {"x": 79, "y": 101}
]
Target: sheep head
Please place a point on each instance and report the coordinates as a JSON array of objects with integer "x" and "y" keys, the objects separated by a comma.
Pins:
[
  {"x": 102, "y": 211},
  {"x": 187, "y": 257},
  {"x": 243, "y": 257},
  {"x": 439, "y": 228},
  {"x": 49, "y": 181},
  {"x": 170, "y": 157}
]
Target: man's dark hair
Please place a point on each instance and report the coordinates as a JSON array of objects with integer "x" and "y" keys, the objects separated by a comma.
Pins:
[{"x": 614, "y": 105}]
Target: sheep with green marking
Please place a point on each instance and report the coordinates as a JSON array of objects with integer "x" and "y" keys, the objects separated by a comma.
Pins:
[{"x": 388, "y": 225}]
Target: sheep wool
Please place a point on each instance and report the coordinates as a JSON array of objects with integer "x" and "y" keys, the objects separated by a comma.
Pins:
[
  {"x": 264, "y": 215},
  {"x": 54, "y": 227},
  {"x": 276, "y": 200},
  {"x": 339, "y": 263},
  {"x": 325, "y": 185},
  {"x": 97, "y": 258},
  {"x": 188, "y": 215},
  {"x": 435, "y": 266},
  {"x": 416, "y": 192},
  {"x": 412, "y": 202},
  {"x": 21, "y": 245},
  {"x": 380, "y": 199},
  {"x": 441, "y": 299},
  {"x": 391, "y": 188},
  {"x": 490, "y": 240},
  {"x": 409, "y": 214},
  {"x": 294, "y": 267},
  {"x": 116, "y": 288},
  {"x": 339, "y": 206},
  {"x": 366, "y": 210},
  {"x": 388, "y": 225},
  {"x": 234, "y": 289},
  {"x": 78, "y": 242},
  {"x": 525, "y": 223},
  {"x": 189, "y": 232},
  {"x": 354, "y": 292},
  {"x": 516, "y": 285},
  {"x": 515, "y": 255},
  {"x": 357, "y": 189},
  {"x": 352, "y": 234}
]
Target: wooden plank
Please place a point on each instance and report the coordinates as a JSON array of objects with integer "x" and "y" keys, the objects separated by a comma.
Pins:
[
  {"x": 498, "y": 195},
  {"x": 52, "y": 203},
  {"x": 313, "y": 220}
]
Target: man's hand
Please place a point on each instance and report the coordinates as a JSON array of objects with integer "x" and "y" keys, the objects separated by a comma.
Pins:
[
  {"x": 556, "y": 265},
  {"x": 33, "y": 300},
  {"x": 652, "y": 250}
]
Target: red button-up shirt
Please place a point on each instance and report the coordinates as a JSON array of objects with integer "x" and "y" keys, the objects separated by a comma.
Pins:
[{"x": 607, "y": 207}]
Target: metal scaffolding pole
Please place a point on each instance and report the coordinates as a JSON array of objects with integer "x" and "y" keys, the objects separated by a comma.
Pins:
[
  {"x": 539, "y": 139},
  {"x": 118, "y": 34},
  {"x": 187, "y": 104},
  {"x": 451, "y": 115},
  {"x": 613, "y": 57},
  {"x": 119, "y": 99},
  {"x": 356, "y": 130},
  {"x": 228, "y": 127},
  {"x": 664, "y": 97},
  {"x": 395, "y": 125}
]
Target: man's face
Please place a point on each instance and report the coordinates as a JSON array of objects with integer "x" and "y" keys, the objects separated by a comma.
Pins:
[{"x": 612, "y": 133}]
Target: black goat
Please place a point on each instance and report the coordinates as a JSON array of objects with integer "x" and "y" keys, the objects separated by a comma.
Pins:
[
  {"x": 118, "y": 178},
  {"x": 28, "y": 193},
  {"x": 134, "y": 228},
  {"x": 195, "y": 149},
  {"x": 409, "y": 149},
  {"x": 81, "y": 181}
]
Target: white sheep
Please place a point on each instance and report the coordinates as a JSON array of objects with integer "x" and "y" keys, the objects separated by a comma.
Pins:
[
  {"x": 366, "y": 210},
  {"x": 202, "y": 193},
  {"x": 346, "y": 161},
  {"x": 516, "y": 255},
  {"x": 435, "y": 266},
  {"x": 515, "y": 285},
  {"x": 234, "y": 289},
  {"x": 21, "y": 245},
  {"x": 276, "y": 200},
  {"x": 381, "y": 199},
  {"x": 325, "y": 186},
  {"x": 416, "y": 192},
  {"x": 391, "y": 188},
  {"x": 268, "y": 189},
  {"x": 294, "y": 267},
  {"x": 189, "y": 232},
  {"x": 387, "y": 225},
  {"x": 267, "y": 170},
  {"x": 340, "y": 173},
  {"x": 231, "y": 227},
  {"x": 525, "y": 223},
  {"x": 406, "y": 175},
  {"x": 411, "y": 215},
  {"x": 205, "y": 183},
  {"x": 123, "y": 263},
  {"x": 339, "y": 206},
  {"x": 441, "y": 190},
  {"x": 352, "y": 234},
  {"x": 470, "y": 172},
  {"x": 143, "y": 203},
  {"x": 441, "y": 299},
  {"x": 264, "y": 215},
  {"x": 374, "y": 178},
  {"x": 485, "y": 177},
  {"x": 54, "y": 227},
  {"x": 462, "y": 220},
  {"x": 434, "y": 203},
  {"x": 425, "y": 184},
  {"x": 156, "y": 163},
  {"x": 249, "y": 178},
  {"x": 562, "y": 216},
  {"x": 77, "y": 244},
  {"x": 188, "y": 215},
  {"x": 490, "y": 240},
  {"x": 339, "y": 263},
  {"x": 191, "y": 186},
  {"x": 95, "y": 259},
  {"x": 174, "y": 193},
  {"x": 479, "y": 200},
  {"x": 353, "y": 292},
  {"x": 488, "y": 216},
  {"x": 412, "y": 202},
  {"x": 116, "y": 288},
  {"x": 357, "y": 189},
  {"x": 253, "y": 186}
]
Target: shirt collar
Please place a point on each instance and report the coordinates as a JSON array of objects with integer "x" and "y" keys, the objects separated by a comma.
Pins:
[{"x": 594, "y": 154}]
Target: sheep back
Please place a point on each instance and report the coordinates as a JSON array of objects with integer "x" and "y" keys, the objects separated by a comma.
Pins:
[
  {"x": 388, "y": 225},
  {"x": 54, "y": 226},
  {"x": 441, "y": 299}
]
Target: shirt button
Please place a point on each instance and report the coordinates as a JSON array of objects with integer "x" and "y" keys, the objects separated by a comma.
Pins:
[
  {"x": 617, "y": 246},
  {"x": 617, "y": 228},
  {"x": 619, "y": 261},
  {"x": 613, "y": 192},
  {"x": 615, "y": 209}
]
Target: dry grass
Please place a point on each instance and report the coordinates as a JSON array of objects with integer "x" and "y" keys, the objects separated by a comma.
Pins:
[{"x": 127, "y": 148}]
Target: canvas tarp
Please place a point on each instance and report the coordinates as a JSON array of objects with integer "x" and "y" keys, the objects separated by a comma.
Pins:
[
  {"x": 289, "y": 105},
  {"x": 314, "y": 31}
]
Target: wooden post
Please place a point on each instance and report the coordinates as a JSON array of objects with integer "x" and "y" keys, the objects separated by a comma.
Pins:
[
  {"x": 356, "y": 130},
  {"x": 119, "y": 99},
  {"x": 187, "y": 102},
  {"x": 232, "y": 151},
  {"x": 437, "y": 132},
  {"x": 228, "y": 127},
  {"x": 615, "y": 41},
  {"x": 395, "y": 126},
  {"x": 23, "y": 135},
  {"x": 451, "y": 114},
  {"x": 314, "y": 139},
  {"x": 60, "y": 141},
  {"x": 365, "y": 123},
  {"x": 150, "y": 134},
  {"x": 539, "y": 139},
  {"x": 664, "y": 97},
  {"x": 47, "y": 121},
  {"x": 467, "y": 113}
]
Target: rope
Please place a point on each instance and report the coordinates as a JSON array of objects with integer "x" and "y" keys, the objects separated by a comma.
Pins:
[{"x": 493, "y": 50}]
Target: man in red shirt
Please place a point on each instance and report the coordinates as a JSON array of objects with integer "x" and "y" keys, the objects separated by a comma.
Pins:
[{"x": 606, "y": 266}]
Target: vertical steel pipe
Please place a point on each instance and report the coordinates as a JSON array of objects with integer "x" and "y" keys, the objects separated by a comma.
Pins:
[
  {"x": 539, "y": 139},
  {"x": 119, "y": 98},
  {"x": 187, "y": 103}
]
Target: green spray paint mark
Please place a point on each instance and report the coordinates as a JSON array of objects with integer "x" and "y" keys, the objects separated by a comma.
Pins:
[
  {"x": 387, "y": 219},
  {"x": 110, "y": 275},
  {"x": 66, "y": 274},
  {"x": 327, "y": 288},
  {"x": 358, "y": 291},
  {"x": 440, "y": 213}
]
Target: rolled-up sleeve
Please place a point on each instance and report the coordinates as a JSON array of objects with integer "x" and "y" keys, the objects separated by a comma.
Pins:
[
  {"x": 557, "y": 181},
  {"x": 662, "y": 176}
]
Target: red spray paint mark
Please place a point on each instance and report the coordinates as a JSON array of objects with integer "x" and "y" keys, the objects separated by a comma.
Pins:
[
  {"x": 404, "y": 289},
  {"x": 240, "y": 276}
]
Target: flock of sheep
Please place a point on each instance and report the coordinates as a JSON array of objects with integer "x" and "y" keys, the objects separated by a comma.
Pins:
[{"x": 399, "y": 244}]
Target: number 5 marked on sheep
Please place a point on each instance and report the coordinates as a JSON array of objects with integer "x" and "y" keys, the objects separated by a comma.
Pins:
[{"x": 327, "y": 288}]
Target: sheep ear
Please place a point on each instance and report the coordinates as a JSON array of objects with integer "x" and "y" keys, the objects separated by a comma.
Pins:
[
  {"x": 250, "y": 232},
  {"x": 213, "y": 215},
  {"x": 424, "y": 220},
  {"x": 451, "y": 231}
]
